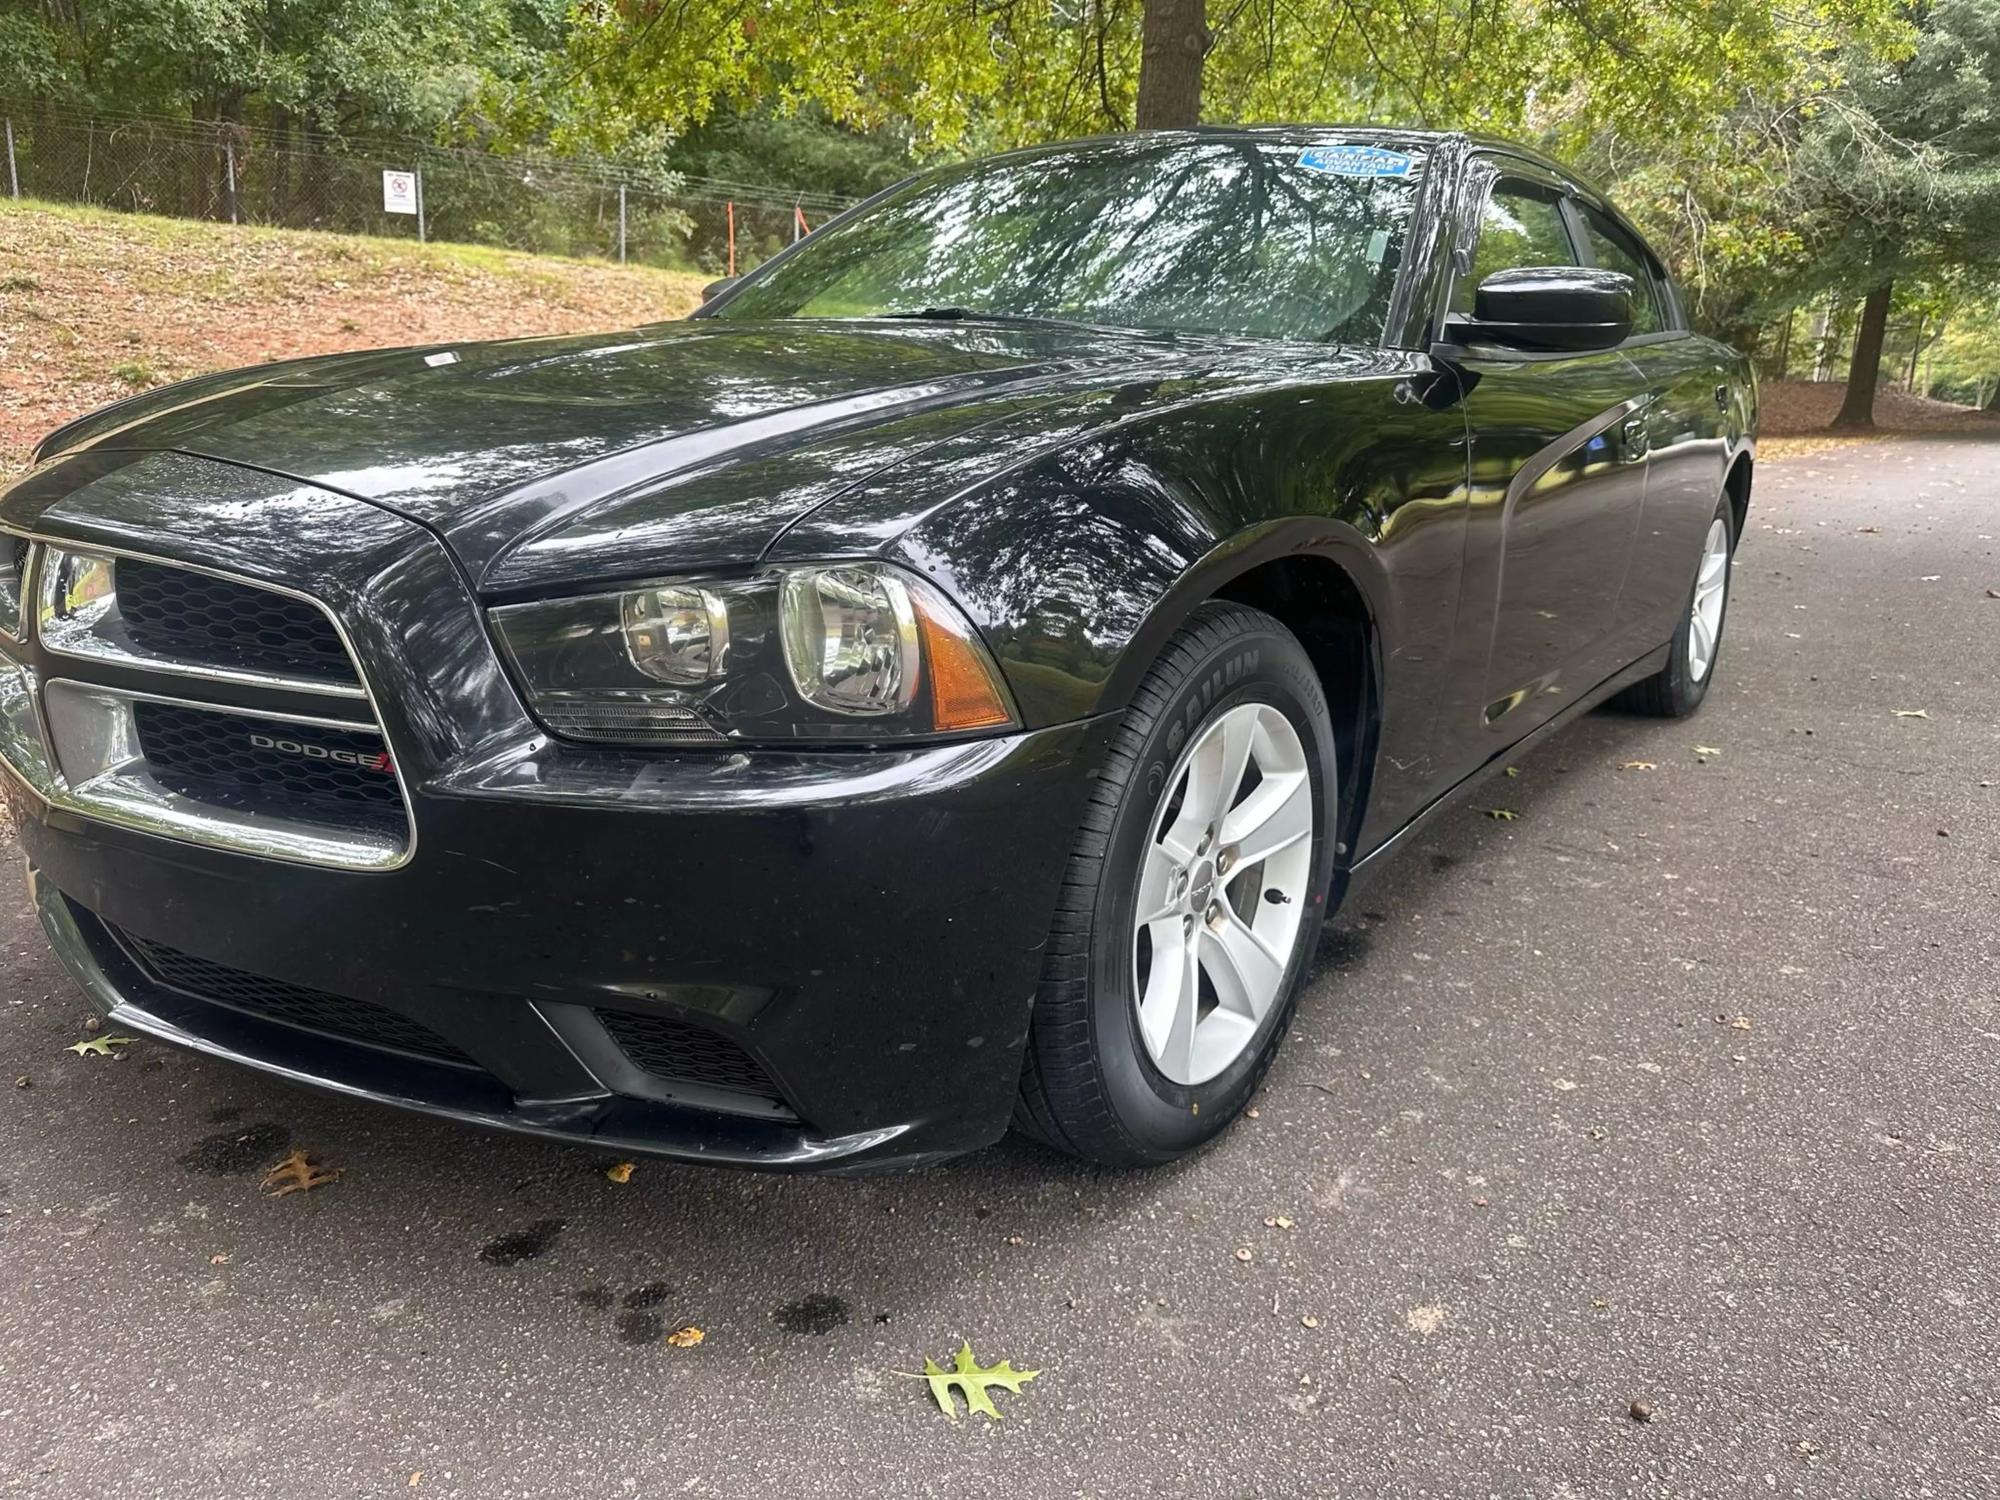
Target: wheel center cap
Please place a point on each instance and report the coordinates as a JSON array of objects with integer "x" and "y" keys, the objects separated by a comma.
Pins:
[{"x": 1201, "y": 885}]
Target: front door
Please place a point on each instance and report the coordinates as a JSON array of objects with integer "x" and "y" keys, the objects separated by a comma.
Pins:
[{"x": 1558, "y": 478}]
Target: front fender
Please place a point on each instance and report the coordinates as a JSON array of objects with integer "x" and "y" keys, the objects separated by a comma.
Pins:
[{"x": 1079, "y": 568}]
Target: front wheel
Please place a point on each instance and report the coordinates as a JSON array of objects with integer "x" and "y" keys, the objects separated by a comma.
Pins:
[
  {"x": 1676, "y": 690},
  {"x": 1192, "y": 902}
]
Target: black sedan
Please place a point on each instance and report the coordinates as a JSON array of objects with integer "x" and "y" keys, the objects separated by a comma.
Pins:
[{"x": 945, "y": 682}]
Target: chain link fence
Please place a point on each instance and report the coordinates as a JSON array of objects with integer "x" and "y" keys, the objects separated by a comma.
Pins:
[{"x": 249, "y": 175}]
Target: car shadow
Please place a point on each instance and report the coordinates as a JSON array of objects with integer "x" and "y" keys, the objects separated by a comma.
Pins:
[{"x": 770, "y": 1259}]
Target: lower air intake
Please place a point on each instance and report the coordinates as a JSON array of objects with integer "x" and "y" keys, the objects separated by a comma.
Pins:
[
  {"x": 681, "y": 1053},
  {"x": 293, "y": 1005}
]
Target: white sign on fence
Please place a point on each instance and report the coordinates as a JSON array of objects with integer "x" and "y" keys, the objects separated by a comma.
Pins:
[{"x": 399, "y": 192}]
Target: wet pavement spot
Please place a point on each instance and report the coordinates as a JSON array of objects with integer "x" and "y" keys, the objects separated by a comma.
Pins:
[
  {"x": 229, "y": 1114},
  {"x": 523, "y": 1244},
  {"x": 234, "y": 1153},
  {"x": 597, "y": 1297},
  {"x": 1443, "y": 862},
  {"x": 816, "y": 1313},
  {"x": 652, "y": 1294},
  {"x": 640, "y": 1328},
  {"x": 1343, "y": 947}
]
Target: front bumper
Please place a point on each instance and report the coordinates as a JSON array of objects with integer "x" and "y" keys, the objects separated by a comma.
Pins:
[
  {"x": 870, "y": 936},
  {"x": 858, "y": 933}
]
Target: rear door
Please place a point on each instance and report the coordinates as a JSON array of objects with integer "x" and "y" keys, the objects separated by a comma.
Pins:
[{"x": 1558, "y": 478}]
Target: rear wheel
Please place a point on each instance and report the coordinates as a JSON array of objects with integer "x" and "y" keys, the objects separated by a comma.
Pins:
[
  {"x": 1192, "y": 901},
  {"x": 1676, "y": 690}
]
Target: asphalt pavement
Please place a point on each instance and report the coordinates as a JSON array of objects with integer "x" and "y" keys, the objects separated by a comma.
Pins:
[{"x": 1679, "y": 1089}]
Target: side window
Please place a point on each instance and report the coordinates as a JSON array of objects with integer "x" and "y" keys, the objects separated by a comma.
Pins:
[
  {"x": 1615, "y": 250},
  {"x": 1522, "y": 225}
]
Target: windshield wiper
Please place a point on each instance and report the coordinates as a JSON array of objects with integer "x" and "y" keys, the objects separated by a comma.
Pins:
[{"x": 977, "y": 315}]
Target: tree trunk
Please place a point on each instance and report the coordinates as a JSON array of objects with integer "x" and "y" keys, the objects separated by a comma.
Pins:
[
  {"x": 1172, "y": 47},
  {"x": 1993, "y": 401},
  {"x": 1857, "y": 410}
]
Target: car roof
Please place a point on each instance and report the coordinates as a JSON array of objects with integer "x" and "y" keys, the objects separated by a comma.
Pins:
[{"x": 1305, "y": 133}]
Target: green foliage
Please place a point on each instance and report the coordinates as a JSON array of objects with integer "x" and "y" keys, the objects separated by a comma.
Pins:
[
  {"x": 1774, "y": 154},
  {"x": 339, "y": 66}
]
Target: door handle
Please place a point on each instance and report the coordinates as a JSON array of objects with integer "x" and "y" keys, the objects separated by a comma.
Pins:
[{"x": 1635, "y": 438}]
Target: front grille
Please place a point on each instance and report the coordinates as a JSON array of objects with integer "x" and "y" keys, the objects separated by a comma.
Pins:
[
  {"x": 293, "y": 1005},
  {"x": 193, "y": 617},
  {"x": 337, "y": 776},
  {"x": 682, "y": 1053}
]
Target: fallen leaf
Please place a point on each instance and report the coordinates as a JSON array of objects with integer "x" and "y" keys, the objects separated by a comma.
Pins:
[
  {"x": 100, "y": 1046},
  {"x": 1911, "y": 713},
  {"x": 220, "y": 1258},
  {"x": 1243, "y": 1252},
  {"x": 1706, "y": 750},
  {"x": 686, "y": 1338},
  {"x": 416, "y": 1478},
  {"x": 1513, "y": 770},
  {"x": 974, "y": 1382},
  {"x": 1930, "y": 578},
  {"x": 1309, "y": 1321},
  {"x": 1735, "y": 1023},
  {"x": 1993, "y": 593},
  {"x": 1871, "y": 530},
  {"x": 619, "y": 1172},
  {"x": 1503, "y": 814},
  {"x": 297, "y": 1174},
  {"x": 1638, "y": 765},
  {"x": 1277, "y": 1221}
]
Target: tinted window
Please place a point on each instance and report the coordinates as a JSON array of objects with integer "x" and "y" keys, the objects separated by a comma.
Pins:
[
  {"x": 1615, "y": 250},
  {"x": 1241, "y": 237},
  {"x": 1522, "y": 225}
]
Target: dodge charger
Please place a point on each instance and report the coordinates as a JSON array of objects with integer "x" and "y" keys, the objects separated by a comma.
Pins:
[{"x": 944, "y": 683}]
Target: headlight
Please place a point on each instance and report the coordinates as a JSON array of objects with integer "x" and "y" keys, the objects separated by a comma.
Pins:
[
  {"x": 851, "y": 639},
  {"x": 829, "y": 653}
]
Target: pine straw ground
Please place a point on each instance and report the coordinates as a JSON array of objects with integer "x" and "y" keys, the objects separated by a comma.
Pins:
[
  {"x": 96, "y": 305},
  {"x": 1795, "y": 413}
]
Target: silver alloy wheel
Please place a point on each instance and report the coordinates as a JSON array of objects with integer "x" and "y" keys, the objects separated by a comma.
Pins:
[
  {"x": 1711, "y": 589},
  {"x": 1222, "y": 891}
]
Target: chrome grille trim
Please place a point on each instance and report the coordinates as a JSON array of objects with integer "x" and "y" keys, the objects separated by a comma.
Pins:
[
  {"x": 98, "y": 760},
  {"x": 73, "y": 743},
  {"x": 108, "y": 640}
]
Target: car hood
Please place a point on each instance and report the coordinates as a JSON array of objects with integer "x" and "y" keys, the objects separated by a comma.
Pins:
[{"x": 721, "y": 433}]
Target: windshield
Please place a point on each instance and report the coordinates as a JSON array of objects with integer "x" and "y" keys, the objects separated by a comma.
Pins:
[{"x": 1223, "y": 236}]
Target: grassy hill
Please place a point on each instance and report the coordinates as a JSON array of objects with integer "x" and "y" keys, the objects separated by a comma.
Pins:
[{"x": 96, "y": 305}]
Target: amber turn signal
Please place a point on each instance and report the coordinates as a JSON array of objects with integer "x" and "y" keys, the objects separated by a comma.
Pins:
[{"x": 964, "y": 692}]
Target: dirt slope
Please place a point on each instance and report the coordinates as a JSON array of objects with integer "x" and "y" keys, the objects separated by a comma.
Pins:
[{"x": 96, "y": 305}]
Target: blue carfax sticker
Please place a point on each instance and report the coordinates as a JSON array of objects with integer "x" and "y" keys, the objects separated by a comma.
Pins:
[{"x": 1355, "y": 161}]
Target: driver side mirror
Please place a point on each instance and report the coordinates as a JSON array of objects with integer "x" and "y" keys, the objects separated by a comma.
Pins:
[
  {"x": 716, "y": 288},
  {"x": 1547, "y": 309}
]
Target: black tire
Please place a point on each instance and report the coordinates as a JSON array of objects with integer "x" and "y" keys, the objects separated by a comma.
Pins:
[
  {"x": 1674, "y": 692},
  {"x": 1088, "y": 1086}
]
